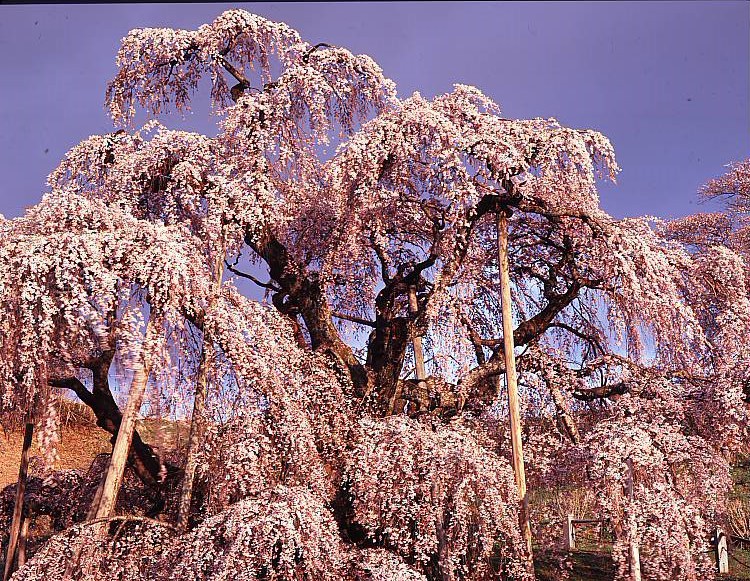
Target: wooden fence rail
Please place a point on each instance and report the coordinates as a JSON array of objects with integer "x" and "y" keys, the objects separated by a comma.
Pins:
[{"x": 720, "y": 541}]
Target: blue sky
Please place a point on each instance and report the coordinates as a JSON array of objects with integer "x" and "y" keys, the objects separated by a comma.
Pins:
[{"x": 667, "y": 82}]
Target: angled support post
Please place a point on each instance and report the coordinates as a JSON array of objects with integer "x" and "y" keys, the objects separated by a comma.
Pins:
[
  {"x": 634, "y": 552},
  {"x": 18, "y": 516},
  {"x": 116, "y": 467},
  {"x": 512, "y": 381},
  {"x": 199, "y": 406}
]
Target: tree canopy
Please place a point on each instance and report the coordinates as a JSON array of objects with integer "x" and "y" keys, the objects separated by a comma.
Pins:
[{"x": 322, "y": 456}]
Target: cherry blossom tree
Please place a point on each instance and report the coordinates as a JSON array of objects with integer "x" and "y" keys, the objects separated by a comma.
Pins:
[{"x": 342, "y": 201}]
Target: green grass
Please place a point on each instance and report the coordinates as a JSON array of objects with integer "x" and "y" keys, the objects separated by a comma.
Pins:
[
  {"x": 739, "y": 564},
  {"x": 587, "y": 566}
]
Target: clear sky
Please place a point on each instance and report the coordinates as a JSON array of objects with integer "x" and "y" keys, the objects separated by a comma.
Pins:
[{"x": 667, "y": 82}]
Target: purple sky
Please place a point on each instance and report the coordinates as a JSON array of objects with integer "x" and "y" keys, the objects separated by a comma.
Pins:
[{"x": 667, "y": 82}]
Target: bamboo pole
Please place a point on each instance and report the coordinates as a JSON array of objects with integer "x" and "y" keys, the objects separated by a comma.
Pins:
[
  {"x": 199, "y": 406},
  {"x": 94, "y": 508},
  {"x": 16, "y": 523},
  {"x": 512, "y": 381},
  {"x": 121, "y": 449}
]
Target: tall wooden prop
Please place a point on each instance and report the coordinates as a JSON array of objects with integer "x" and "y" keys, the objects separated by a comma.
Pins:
[
  {"x": 419, "y": 370},
  {"x": 634, "y": 553},
  {"x": 116, "y": 468},
  {"x": 16, "y": 523},
  {"x": 21, "y": 553},
  {"x": 196, "y": 432},
  {"x": 512, "y": 380},
  {"x": 199, "y": 406}
]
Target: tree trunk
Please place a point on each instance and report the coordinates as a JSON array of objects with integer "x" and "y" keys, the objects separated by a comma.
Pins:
[
  {"x": 121, "y": 449},
  {"x": 385, "y": 357},
  {"x": 16, "y": 523},
  {"x": 307, "y": 294},
  {"x": 512, "y": 381}
]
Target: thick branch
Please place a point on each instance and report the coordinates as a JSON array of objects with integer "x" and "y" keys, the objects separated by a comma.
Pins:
[
  {"x": 476, "y": 340},
  {"x": 601, "y": 392},
  {"x": 234, "y": 71},
  {"x": 306, "y": 295},
  {"x": 269, "y": 285},
  {"x": 142, "y": 458},
  {"x": 353, "y": 319},
  {"x": 536, "y": 325},
  {"x": 525, "y": 333}
]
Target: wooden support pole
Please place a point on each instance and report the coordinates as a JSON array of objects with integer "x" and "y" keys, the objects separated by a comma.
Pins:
[
  {"x": 18, "y": 517},
  {"x": 634, "y": 553},
  {"x": 116, "y": 467},
  {"x": 94, "y": 508},
  {"x": 512, "y": 381},
  {"x": 721, "y": 551},
  {"x": 569, "y": 534},
  {"x": 199, "y": 406},
  {"x": 21, "y": 554},
  {"x": 419, "y": 369},
  {"x": 196, "y": 434}
]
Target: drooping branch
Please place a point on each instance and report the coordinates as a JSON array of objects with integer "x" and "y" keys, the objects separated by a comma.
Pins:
[
  {"x": 591, "y": 340},
  {"x": 557, "y": 376}
]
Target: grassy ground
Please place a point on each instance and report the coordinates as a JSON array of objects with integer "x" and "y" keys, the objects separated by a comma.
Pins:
[
  {"x": 587, "y": 566},
  {"x": 78, "y": 447},
  {"x": 81, "y": 440},
  {"x": 597, "y": 566}
]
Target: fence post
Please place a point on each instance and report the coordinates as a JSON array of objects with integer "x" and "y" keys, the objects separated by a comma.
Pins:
[
  {"x": 570, "y": 534},
  {"x": 720, "y": 548}
]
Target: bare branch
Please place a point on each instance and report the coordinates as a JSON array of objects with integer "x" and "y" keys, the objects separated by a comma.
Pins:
[
  {"x": 353, "y": 319},
  {"x": 269, "y": 285}
]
